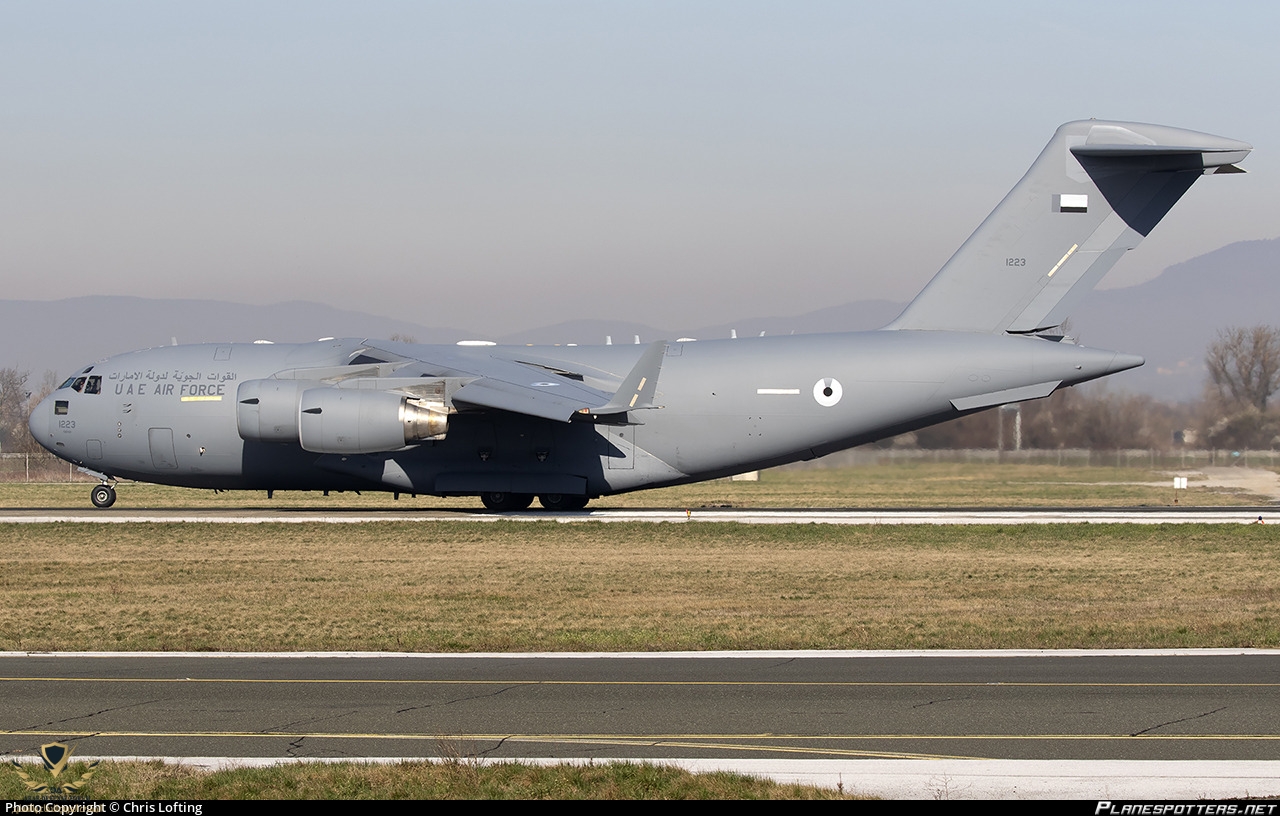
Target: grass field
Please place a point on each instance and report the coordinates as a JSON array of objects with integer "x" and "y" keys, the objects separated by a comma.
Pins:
[
  {"x": 538, "y": 586},
  {"x": 541, "y": 586},
  {"x": 917, "y": 484},
  {"x": 415, "y": 780}
]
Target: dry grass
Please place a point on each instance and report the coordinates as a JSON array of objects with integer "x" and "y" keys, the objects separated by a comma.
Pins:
[
  {"x": 914, "y": 484},
  {"x": 420, "y": 780},
  {"x": 516, "y": 586}
]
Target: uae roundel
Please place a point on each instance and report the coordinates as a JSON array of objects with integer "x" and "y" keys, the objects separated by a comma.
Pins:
[{"x": 827, "y": 391}]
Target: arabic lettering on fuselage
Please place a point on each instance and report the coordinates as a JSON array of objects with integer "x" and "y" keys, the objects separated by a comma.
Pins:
[{"x": 178, "y": 382}]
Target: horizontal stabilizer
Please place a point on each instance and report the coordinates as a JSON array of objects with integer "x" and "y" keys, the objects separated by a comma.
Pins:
[{"x": 1094, "y": 193}]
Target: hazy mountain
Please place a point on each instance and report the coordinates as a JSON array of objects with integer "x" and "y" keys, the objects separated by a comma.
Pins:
[
  {"x": 63, "y": 335},
  {"x": 1170, "y": 320}
]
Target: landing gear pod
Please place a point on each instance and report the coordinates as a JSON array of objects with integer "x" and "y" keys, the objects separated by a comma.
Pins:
[{"x": 345, "y": 420}]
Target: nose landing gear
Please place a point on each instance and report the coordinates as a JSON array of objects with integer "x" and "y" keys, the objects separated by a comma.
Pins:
[{"x": 103, "y": 496}]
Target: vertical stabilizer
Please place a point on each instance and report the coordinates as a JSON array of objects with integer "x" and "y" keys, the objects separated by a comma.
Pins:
[{"x": 1096, "y": 190}]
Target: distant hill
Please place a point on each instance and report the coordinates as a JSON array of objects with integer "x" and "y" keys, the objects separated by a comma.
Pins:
[
  {"x": 1170, "y": 320},
  {"x": 63, "y": 335}
]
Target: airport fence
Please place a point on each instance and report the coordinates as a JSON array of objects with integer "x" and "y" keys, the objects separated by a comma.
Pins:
[
  {"x": 36, "y": 467},
  {"x": 868, "y": 455}
]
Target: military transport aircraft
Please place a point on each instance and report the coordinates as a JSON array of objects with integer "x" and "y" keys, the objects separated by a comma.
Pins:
[{"x": 568, "y": 423}]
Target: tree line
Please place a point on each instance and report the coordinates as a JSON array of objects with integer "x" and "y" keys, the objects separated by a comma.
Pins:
[
  {"x": 18, "y": 397},
  {"x": 1234, "y": 412}
]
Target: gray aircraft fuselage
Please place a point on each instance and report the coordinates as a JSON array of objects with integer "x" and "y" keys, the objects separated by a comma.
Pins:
[
  {"x": 567, "y": 423},
  {"x": 168, "y": 415}
]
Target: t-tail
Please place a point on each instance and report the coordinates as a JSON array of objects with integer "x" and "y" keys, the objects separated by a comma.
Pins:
[{"x": 1095, "y": 191}]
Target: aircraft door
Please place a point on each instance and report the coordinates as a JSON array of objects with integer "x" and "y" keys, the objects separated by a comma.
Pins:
[{"x": 162, "y": 454}]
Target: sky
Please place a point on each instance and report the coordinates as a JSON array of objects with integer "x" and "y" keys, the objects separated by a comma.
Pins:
[{"x": 498, "y": 166}]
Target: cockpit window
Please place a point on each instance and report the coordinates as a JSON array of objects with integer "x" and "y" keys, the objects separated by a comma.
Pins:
[
  {"x": 67, "y": 384},
  {"x": 93, "y": 385},
  {"x": 78, "y": 385}
]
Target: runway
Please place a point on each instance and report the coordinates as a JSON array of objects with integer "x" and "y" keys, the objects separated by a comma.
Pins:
[
  {"x": 998, "y": 516},
  {"x": 770, "y": 708}
]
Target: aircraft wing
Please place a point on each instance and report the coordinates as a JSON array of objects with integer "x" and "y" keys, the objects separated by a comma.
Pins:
[{"x": 506, "y": 380}]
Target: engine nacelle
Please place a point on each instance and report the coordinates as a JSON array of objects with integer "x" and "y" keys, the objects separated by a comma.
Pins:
[
  {"x": 267, "y": 410},
  {"x": 326, "y": 419},
  {"x": 357, "y": 420}
]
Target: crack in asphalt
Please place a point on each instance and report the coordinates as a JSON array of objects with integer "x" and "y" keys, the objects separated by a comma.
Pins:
[
  {"x": 90, "y": 715},
  {"x": 1175, "y": 722},
  {"x": 494, "y": 748},
  {"x": 943, "y": 700},
  {"x": 307, "y": 721},
  {"x": 468, "y": 698}
]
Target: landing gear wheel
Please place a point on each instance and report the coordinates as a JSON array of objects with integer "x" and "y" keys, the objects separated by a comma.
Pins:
[
  {"x": 103, "y": 496},
  {"x": 562, "y": 501},
  {"x": 506, "y": 501}
]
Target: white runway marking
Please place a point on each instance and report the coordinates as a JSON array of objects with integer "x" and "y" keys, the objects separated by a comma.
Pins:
[{"x": 863, "y": 517}]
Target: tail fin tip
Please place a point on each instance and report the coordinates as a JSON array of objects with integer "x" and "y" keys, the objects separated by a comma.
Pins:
[{"x": 1096, "y": 190}]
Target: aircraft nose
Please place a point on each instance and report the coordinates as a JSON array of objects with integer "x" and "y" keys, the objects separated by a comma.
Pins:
[{"x": 39, "y": 421}]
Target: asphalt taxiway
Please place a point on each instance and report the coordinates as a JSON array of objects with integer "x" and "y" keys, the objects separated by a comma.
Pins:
[{"x": 761, "y": 709}]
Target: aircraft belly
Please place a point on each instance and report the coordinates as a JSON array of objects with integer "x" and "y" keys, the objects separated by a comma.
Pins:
[{"x": 508, "y": 453}]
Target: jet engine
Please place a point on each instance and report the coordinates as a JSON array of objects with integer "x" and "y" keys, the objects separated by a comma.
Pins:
[
  {"x": 326, "y": 419},
  {"x": 343, "y": 420}
]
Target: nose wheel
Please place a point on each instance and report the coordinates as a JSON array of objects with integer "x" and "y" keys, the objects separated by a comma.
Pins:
[{"x": 104, "y": 495}]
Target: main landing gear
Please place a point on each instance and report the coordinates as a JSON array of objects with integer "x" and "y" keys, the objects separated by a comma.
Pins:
[
  {"x": 562, "y": 501},
  {"x": 506, "y": 501},
  {"x": 520, "y": 501},
  {"x": 104, "y": 495}
]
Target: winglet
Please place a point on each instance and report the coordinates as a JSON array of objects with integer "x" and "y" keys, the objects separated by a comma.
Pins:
[{"x": 638, "y": 389}]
